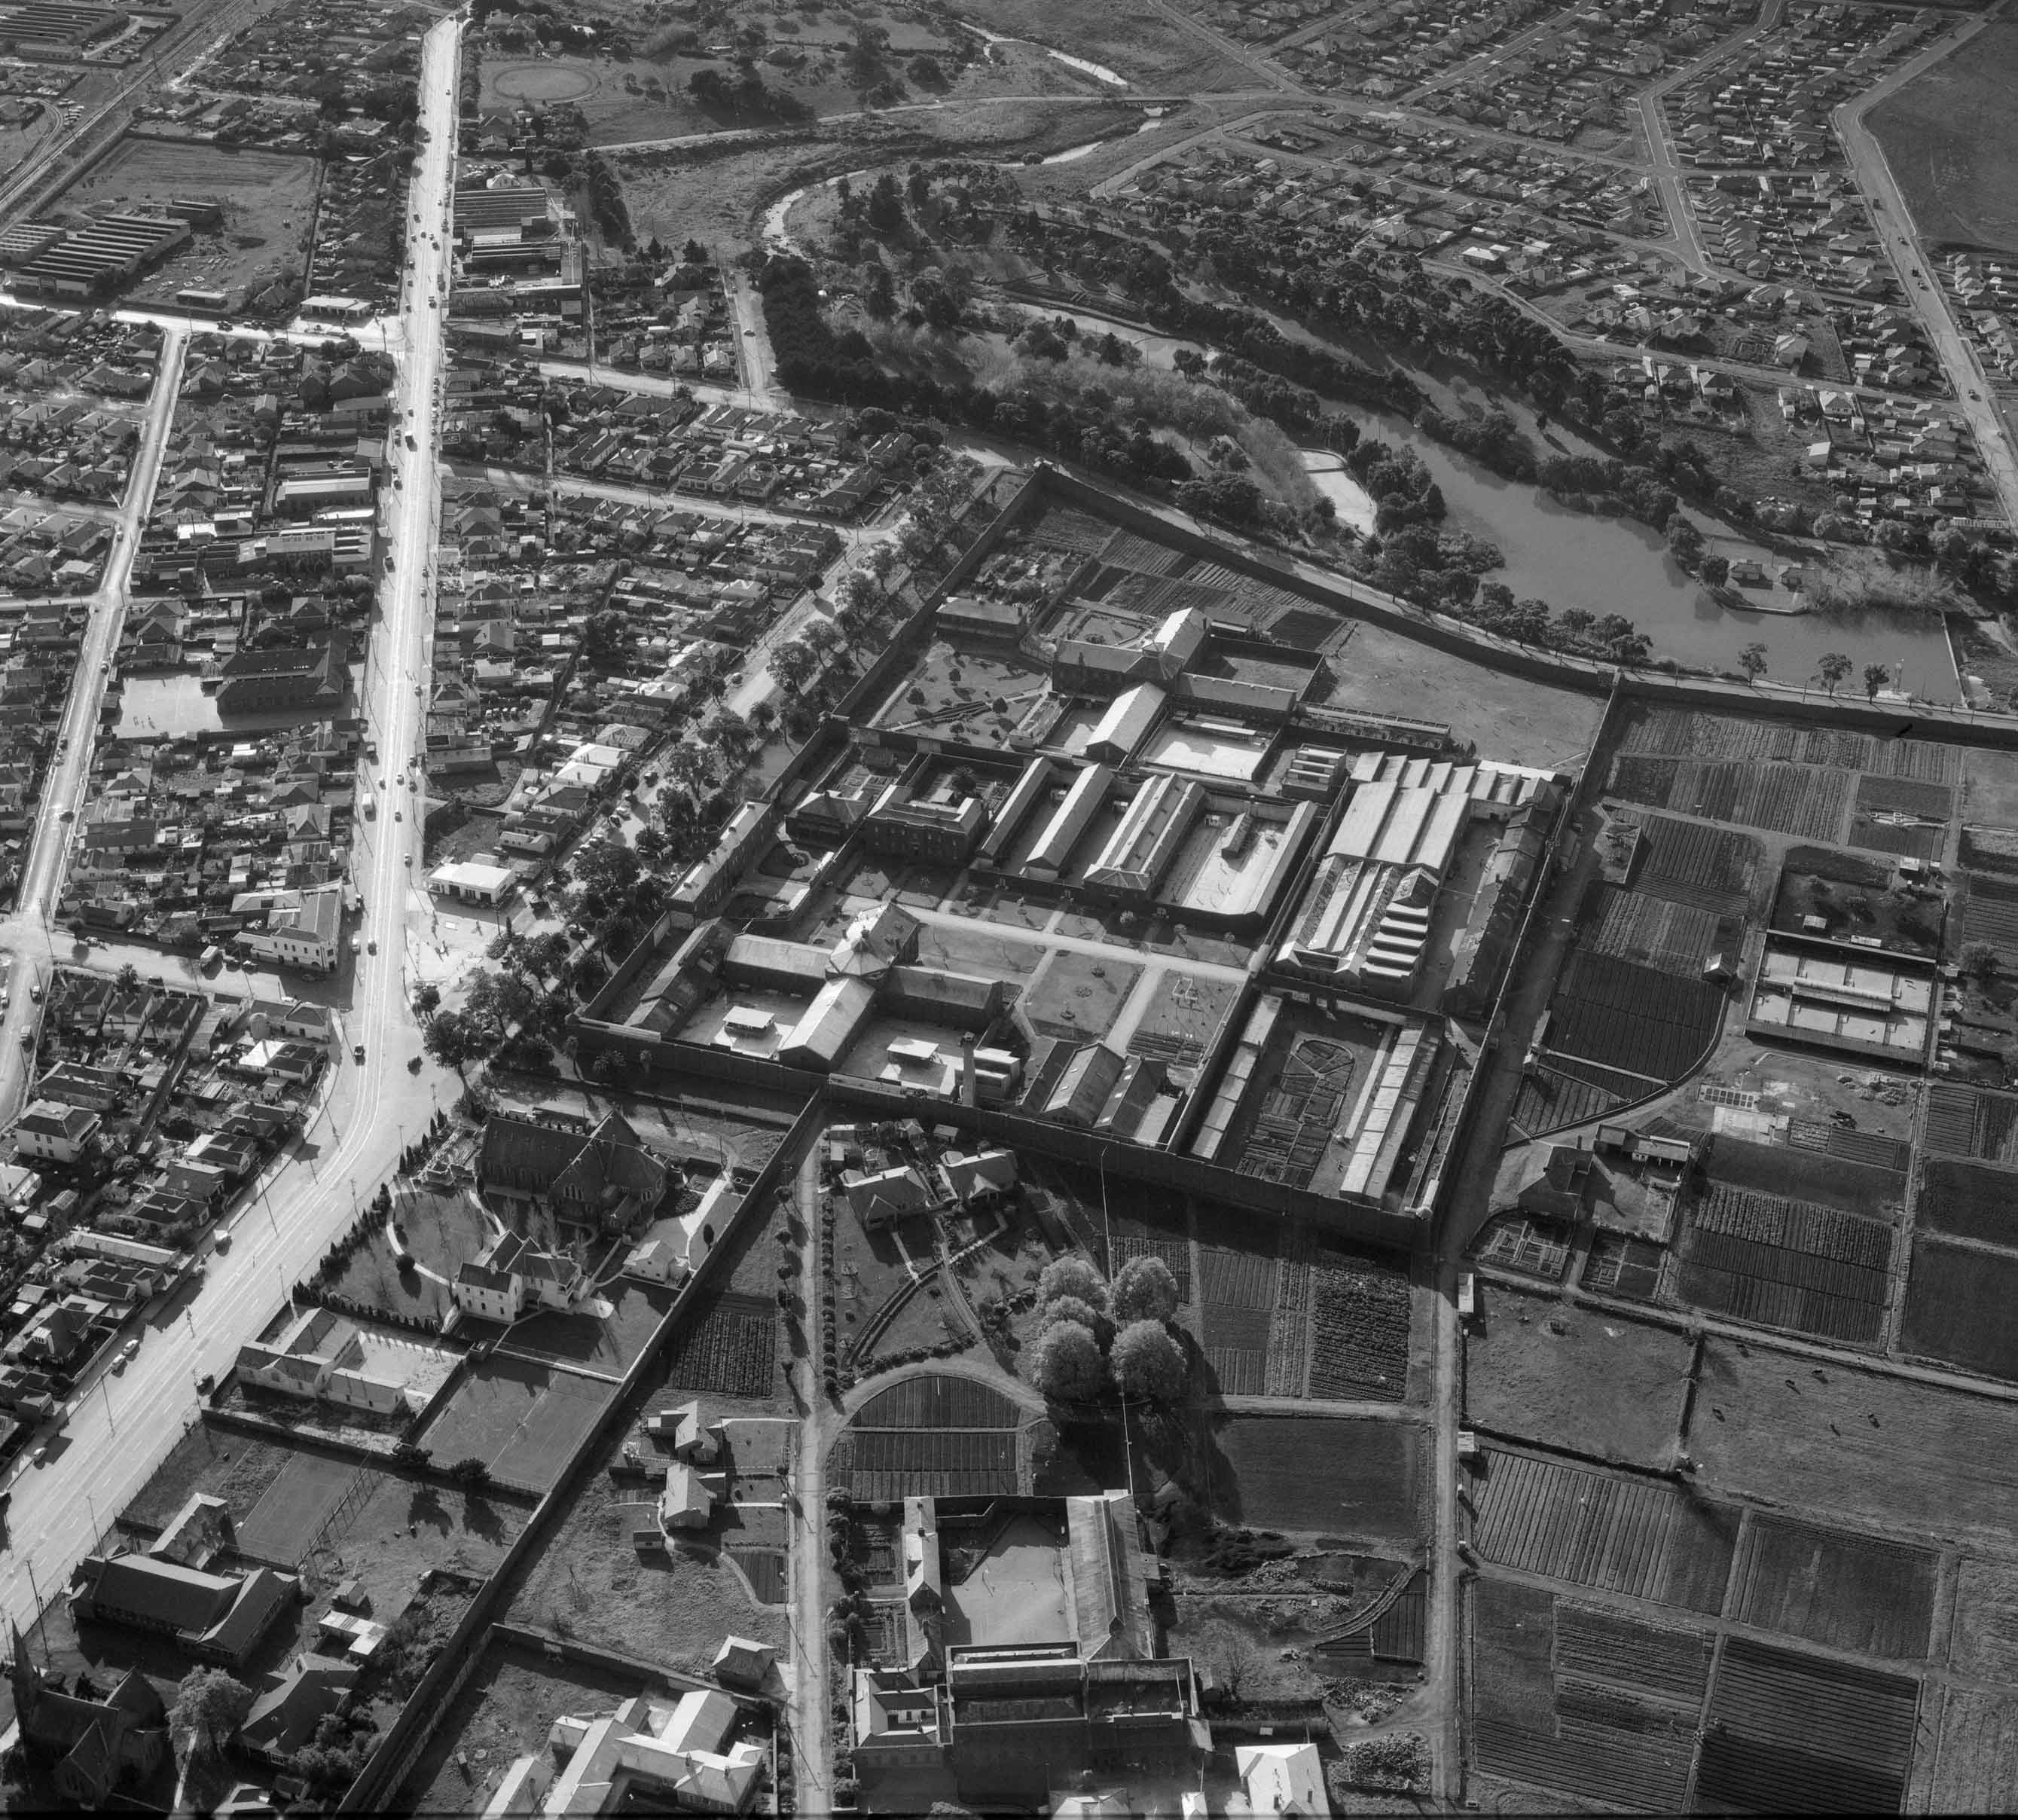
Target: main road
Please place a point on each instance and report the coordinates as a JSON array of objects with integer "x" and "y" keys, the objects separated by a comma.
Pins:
[
  {"x": 1893, "y": 218},
  {"x": 119, "y": 1426}
]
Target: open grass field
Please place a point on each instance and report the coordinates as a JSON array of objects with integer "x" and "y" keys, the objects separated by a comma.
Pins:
[
  {"x": 521, "y": 1420},
  {"x": 1989, "y": 788},
  {"x": 1619, "y": 1014},
  {"x": 1852, "y": 1593},
  {"x": 1148, "y": 49},
  {"x": 1785, "y": 1263},
  {"x": 1983, "y": 1640},
  {"x": 1899, "y": 1455},
  {"x": 1566, "y": 1697},
  {"x": 1959, "y": 1307},
  {"x": 1381, "y": 671},
  {"x": 1636, "y": 1537},
  {"x": 1976, "y": 1769},
  {"x": 290, "y": 1513},
  {"x": 269, "y": 200},
  {"x": 1591, "y": 1383},
  {"x": 1952, "y": 143},
  {"x": 1371, "y": 1487},
  {"x": 1794, "y": 1734}
]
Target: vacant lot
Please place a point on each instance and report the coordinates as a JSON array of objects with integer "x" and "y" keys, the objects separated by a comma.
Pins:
[
  {"x": 1571, "y": 1379},
  {"x": 1952, "y": 142},
  {"x": 1369, "y": 1487},
  {"x": 1959, "y": 1307},
  {"x": 674, "y": 1607},
  {"x": 1905, "y": 1455},
  {"x": 224, "y": 1465},
  {"x": 269, "y": 200}
]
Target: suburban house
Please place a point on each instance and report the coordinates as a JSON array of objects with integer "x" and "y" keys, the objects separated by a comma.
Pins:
[
  {"x": 55, "y": 1133},
  {"x": 645, "y": 1757},
  {"x": 320, "y": 1356},
  {"x": 512, "y": 1275}
]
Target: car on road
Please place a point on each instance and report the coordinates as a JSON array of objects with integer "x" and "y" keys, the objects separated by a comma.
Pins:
[
  {"x": 205, "y": 1384},
  {"x": 371, "y": 947},
  {"x": 35, "y": 992},
  {"x": 411, "y": 443},
  {"x": 41, "y": 1455},
  {"x": 357, "y": 942},
  {"x": 69, "y": 814},
  {"x": 401, "y": 778},
  {"x": 357, "y": 1051},
  {"x": 1976, "y": 396},
  {"x": 398, "y": 815},
  {"x": 410, "y": 860},
  {"x": 130, "y": 1352}
]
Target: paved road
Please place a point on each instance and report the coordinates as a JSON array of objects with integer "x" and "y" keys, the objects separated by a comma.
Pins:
[
  {"x": 1974, "y": 396},
  {"x": 815, "y": 1775},
  {"x": 119, "y": 1426},
  {"x": 25, "y": 934}
]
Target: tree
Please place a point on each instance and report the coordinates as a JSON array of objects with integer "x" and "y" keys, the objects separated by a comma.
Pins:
[
  {"x": 454, "y": 1041},
  {"x": 1978, "y": 960},
  {"x": 210, "y": 1705},
  {"x": 472, "y": 1474},
  {"x": 1832, "y": 669},
  {"x": 1751, "y": 660},
  {"x": 1148, "y": 1363},
  {"x": 1072, "y": 1276},
  {"x": 426, "y": 1001},
  {"x": 1070, "y": 1368},
  {"x": 1876, "y": 677},
  {"x": 129, "y": 977},
  {"x": 1145, "y": 1290},
  {"x": 1071, "y": 1309}
]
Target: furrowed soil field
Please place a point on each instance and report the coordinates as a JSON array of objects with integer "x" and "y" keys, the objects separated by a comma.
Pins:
[
  {"x": 1959, "y": 1307},
  {"x": 1961, "y": 1123},
  {"x": 1870, "y": 1448},
  {"x": 1591, "y": 1383},
  {"x": 1678, "y": 733},
  {"x": 1984, "y": 1642},
  {"x": 1852, "y": 1593},
  {"x": 1622, "y": 1015},
  {"x": 1671, "y": 938},
  {"x": 1977, "y": 1771},
  {"x": 1634, "y": 1536},
  {"x": 1802, "y": 1174},
  {"x": 1951, "y": 139},
  {"x": 1793, "y": 1734},
  {"x": 1787, "y": 799},
  {"x": 1685, "y": 863},
  {"x": 731, "y": 1349},
  {"x": 1601, "y": 1705},
  {"x": 1370, "y": 1486},
  {"x": 1786, "y": 1263}
]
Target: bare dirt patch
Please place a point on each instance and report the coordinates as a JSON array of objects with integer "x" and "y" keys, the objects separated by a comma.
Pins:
[{"x": 1952, "y": 139}]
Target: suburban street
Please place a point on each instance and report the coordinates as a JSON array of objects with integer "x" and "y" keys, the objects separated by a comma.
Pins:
[
  {"x": 1974, "y": 397},
  {"x": 119, "y": 1426},
  {"x": 25, "y": 934}
]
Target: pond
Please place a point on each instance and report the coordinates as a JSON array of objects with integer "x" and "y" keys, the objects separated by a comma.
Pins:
[{"x": 1617, "y": 565}]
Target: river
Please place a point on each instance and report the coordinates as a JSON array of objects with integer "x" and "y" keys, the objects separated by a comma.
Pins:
[{"x": 1617, "y": 565}]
